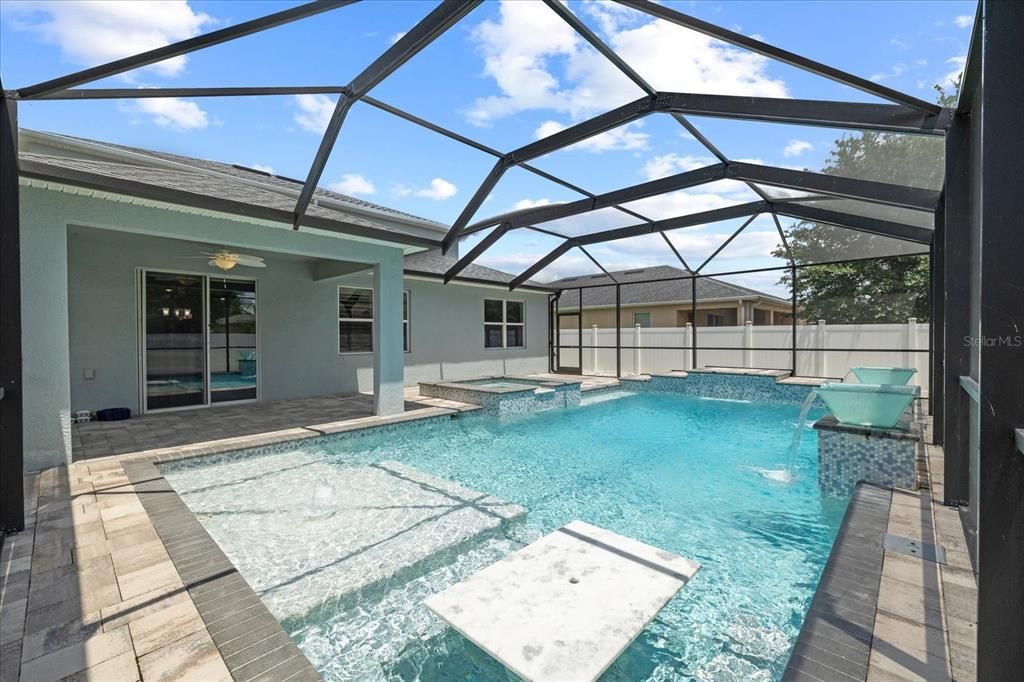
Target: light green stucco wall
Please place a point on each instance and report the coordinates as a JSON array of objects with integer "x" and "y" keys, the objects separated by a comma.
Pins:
[{"x": 104, "y": 304}]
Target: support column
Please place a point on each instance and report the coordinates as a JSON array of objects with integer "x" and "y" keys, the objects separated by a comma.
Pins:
[
  {"x": 12, "y": 463},
  {"x": 46, "y": 359},
  {"x": 388, "y": 355},
  {"x": 955, "y": 350},
  {"x": 1001, "y": 309}
]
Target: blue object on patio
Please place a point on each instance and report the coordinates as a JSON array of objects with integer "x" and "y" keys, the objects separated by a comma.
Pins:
[{"x": 113, "y": 414}]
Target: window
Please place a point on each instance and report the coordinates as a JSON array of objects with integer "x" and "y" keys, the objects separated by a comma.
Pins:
[
  {"x": 504, "y": 324},
  {"x": 406, "y": 333},
  {"x": 355, "y": 320},
  {"x": 716, "y": 320},
  {"x": 642, "y": 319}
]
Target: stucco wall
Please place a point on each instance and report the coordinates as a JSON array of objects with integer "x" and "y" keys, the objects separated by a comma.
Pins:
[
  {"x": 68, "y": 327},
  {"x": 447, "y": 332}
]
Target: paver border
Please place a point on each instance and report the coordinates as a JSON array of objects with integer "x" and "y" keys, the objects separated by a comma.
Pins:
[
  {"x": 835, "y": 640},
  {"x": 251, "y": 641}
]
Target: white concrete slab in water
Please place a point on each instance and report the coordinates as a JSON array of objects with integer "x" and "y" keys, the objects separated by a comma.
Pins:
[{"x": 566, "y": 606}]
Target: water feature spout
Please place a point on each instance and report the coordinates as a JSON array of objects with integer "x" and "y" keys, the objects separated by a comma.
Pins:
[{"x": 788, "y": 474}]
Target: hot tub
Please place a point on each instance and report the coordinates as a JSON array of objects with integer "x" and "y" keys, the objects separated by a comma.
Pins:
[
  {"x": 897, "y": 376},
  {"x": 879, "y": 405}
]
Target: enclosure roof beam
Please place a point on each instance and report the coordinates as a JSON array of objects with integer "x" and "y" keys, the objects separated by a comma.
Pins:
[
  {"x": 726, "y": 242},
  {"x": 428, "y": 29},
  {"x": 543, "y": 214},
  {"x": 850, "y": 188},
  {"x": 782, "y": 236},
  {"x": 567, "y": 15},
  {"x": 690, "y": 220},
  {"x": 547, "y": 260},
  {"x": 183, "y": 47},
  {"x": 147, "y": 93},
  {"x": 884, "y": 228},
  {"x": 570, "y": 18},
  {"x": 892, "y": 118},
  {"x": 714, "y": 215},
  {"x": 599, "y": 266},
  {"x": 563, "y": 138},
  {"x": 412, "y": 118},
  {"x": 785, "y": 56}
]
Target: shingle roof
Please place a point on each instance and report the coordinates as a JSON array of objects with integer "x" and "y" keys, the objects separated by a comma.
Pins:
[
  {"x": 637, "y": 290},
  {"x": 433, "y": 263},
  {"x": 282, "y": 183}
]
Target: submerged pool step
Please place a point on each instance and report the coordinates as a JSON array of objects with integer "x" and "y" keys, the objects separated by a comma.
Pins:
[{"x": 371, "y": 634}]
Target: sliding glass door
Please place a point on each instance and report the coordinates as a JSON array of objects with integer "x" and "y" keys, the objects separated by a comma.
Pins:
[
  {"x": 175, "y": 340},
  {"x": 199, "y": 340},
  {"x": 232, "y": 340}
]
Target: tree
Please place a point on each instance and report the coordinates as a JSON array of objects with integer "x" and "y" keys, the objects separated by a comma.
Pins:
[{"x": 876, "y": 288}]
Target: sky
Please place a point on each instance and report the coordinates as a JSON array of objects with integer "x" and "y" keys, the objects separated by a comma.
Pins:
[{"x": 509, "y": 73}]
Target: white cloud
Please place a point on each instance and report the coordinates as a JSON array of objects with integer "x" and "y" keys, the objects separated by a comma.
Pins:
[
  {"x": 669, "y": 164},
  {"x": 623, "y": 138},
  {"x": 352, "y": 184},
  {"x": 796, "y": 148},
  {"x": 259, "y": 167},
  {"x": 964, "y": 21},
  {"x": 533, "y": 203},
  {"x": 949, "y": 80},
  {"x": 895, "y": 72},
  {"x": 395, "y": 37},
  {"x": 170, "y": 112},
  {"x": 527, "y": 43},
  {"x": 314, "y": 112},
  {"x": 439, "y": 190},
  {"x": 98, "y": 31}
]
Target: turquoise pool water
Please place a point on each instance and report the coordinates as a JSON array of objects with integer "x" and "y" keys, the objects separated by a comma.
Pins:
[{"x": 681, "y": 473}]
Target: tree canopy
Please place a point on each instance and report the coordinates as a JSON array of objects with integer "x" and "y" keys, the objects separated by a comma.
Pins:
[{"x": 887, "y": 283}]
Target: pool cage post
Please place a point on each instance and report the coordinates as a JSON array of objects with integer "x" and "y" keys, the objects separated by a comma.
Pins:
[
  {"x": 618, "y": 331},
  {"x": 792, "y": 310},
  {"x": 12, "y": 465}
]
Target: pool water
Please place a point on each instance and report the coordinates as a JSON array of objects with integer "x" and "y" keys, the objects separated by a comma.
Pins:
[{"x": 681, "y": 473}]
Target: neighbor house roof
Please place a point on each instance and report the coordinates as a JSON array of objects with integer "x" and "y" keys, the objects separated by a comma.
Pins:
[
  {"x": 434, "y": 264},
  {"x": 637, "y": 290},
  {"x": 215, "y": 186}
]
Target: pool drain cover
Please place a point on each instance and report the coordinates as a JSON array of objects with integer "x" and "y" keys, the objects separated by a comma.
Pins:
[{"x": 915, "y": 548}]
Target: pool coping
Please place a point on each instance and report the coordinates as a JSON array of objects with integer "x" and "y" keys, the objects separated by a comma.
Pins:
[
  {"x": 835, "y": 639},
  {"x": 250, "y": 640},
  {"x": 471, "y": 385}
]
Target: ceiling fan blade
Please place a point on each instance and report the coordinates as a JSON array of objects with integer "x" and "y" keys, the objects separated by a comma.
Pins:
[{"x": 250, "y": 261}]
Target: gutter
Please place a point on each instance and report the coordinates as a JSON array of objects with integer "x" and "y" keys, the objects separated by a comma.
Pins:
[{"x": 475, "y": 281}]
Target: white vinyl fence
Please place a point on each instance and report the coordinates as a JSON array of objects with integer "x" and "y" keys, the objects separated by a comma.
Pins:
[{"x": 658, "y": 348}]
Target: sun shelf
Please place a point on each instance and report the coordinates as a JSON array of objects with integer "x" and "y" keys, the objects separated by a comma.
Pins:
[{"x": 566, "y": 606}]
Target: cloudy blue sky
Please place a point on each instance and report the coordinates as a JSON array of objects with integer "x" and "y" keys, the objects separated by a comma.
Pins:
[{"x": 509, "y": 73}]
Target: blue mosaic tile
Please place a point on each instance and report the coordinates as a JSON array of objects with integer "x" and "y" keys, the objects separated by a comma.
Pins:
[
  {"x": 844, "y": 459},
  {"x": 761, "y": 389}
]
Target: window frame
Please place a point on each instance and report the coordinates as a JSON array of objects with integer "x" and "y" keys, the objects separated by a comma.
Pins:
[
  {"x": 406, "y": 323},
  {"x": 406, "y": 320},
  {"x": 649, "y": 321},
  {"x": 504, "y": 324},
  {"x": 341, "y": 319}
]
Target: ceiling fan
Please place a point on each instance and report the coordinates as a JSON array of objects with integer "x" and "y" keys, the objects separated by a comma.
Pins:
[{"x": 225, "y": 260}]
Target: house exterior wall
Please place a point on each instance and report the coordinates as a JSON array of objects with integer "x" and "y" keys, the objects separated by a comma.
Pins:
[
  {"x": 89, "y": 320},
  {"x": 447, "y": 332}
]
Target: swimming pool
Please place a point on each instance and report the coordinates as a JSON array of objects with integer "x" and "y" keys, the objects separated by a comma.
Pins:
[{"x": 681, "y": 473}]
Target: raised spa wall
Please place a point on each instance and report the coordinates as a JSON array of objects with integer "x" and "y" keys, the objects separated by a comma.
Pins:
[
  {"x": 761, "y": 386},
  {"x": 507, "y": 401}
]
